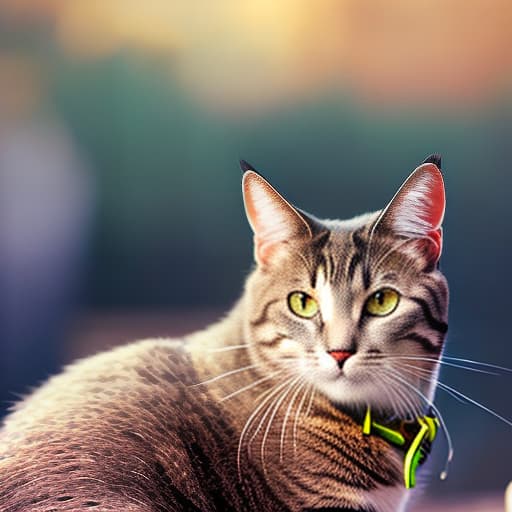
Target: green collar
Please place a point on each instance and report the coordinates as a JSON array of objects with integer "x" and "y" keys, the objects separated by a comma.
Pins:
[{"x": 413, "y": 437}]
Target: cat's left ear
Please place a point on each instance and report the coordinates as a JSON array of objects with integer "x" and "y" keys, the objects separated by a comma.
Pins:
[
  {"x": 274, "y": 221},
  {"x": 417, "y": 210}
]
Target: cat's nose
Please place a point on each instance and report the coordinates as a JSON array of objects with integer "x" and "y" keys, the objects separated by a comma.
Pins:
[{"x": 340, "y": 356}]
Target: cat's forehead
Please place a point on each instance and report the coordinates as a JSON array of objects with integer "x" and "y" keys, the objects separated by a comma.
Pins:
[
  {"x": 349, "y": 252},
  {"x": 353, "y": 224},
  {"x": 348, "y": 235}
]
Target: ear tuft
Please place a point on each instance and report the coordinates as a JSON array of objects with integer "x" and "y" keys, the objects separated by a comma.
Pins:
[
  {"x": 435, "y": 159},
  {"x": 273, "y": 220},
  {"x": 246, "y": 166}
]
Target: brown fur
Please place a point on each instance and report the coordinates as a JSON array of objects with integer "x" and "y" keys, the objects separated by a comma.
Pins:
[
  {"x": 219, "y": 422},
  {"x": 129, "y": 430}
]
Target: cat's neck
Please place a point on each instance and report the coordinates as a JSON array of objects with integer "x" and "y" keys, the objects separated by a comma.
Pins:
[
  {"x": 226, "y": 332},
  {"x": 221, "y": 347}
]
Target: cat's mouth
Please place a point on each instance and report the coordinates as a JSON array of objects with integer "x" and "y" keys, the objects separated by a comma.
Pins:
[
  {"x": 347, "y": 370},
  {"x": 336, "y": 365}
]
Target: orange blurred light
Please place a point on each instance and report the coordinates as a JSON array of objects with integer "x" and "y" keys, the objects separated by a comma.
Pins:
[{"x": 247, "y": 54}]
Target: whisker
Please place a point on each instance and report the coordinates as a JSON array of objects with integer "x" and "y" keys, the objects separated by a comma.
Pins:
[
  {"x": 277, "y": 406},
  {"x": 449, "y": 458},
  {"x": 226, "y": 349},
  {"x": 427, "y": 377},
  {"x": 310, "y": 404},
  {"x": 461, "y": 397},
  {"x": 311, "y": 389},
  {"x": 227, "y": 374},
  {"x": 274, "y": 390},
  {"x": 410, "y": 408},
  {"x": 479, "y": 363},
  {"x": 462, "y": 367},
  {"x": 250, "y": 386},
  {"x": 440, "y": 361},
  {"x": 300, "y": 386},
  {"x": 390, "y": 391},
  {"x": 474, "y": 402},
  {"x": 238, "y": 370},
  {"x": 267, "y": 411}
]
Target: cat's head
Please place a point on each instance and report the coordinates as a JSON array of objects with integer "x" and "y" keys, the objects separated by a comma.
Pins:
[{"x": 357, "y": 307}]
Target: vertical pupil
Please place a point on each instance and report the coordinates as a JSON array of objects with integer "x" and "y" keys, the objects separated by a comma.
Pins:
[
  {"x": 303, "y": 300},
  {"x": 380, "y": 298}
]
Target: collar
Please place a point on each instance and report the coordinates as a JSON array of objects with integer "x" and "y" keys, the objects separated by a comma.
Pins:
[{"x": 413, "y": 437}]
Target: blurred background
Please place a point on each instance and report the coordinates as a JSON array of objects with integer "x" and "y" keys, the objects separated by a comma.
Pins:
[{"x": 121, "y": 125}]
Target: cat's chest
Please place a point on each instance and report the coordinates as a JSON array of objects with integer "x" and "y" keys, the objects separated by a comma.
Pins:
[{"x": 295, "y": 445}]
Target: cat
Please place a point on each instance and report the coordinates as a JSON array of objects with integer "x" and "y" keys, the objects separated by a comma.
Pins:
[{"x": 341, "y": 324}]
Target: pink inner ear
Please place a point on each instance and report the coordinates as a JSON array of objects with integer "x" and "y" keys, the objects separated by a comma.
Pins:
[
  {"x": 263, "y": 250},
  {"x": 437, "y": 243},
  {"x": 273, "y": 220},
  {"x": 418, "y": 207},
  {"x": 435, "y": 214},
  {"x": 436, "y": 199}
]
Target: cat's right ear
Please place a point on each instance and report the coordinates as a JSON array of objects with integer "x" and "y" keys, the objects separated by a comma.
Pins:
[
  {"x": 274, "y": 221},
  {"x": 417, "y": 210}
]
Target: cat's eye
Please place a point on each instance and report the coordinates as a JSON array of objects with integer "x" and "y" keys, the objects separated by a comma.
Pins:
[
  {"x": 383, "y": 302},
  {"x": 302, "y": 304}
]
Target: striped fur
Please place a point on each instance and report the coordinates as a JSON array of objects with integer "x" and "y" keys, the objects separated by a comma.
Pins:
[{"x": 251, "y": 413}]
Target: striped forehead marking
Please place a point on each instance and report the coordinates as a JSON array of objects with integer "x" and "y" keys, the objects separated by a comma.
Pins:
[{"x": 325, "y": 294}]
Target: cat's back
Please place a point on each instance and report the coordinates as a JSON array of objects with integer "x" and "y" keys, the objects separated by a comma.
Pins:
[
  {"x": 97, "y": 390},
  {"x": 116, "y": 431}
]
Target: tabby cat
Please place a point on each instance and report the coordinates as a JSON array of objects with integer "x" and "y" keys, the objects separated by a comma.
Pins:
[{"x": 262, "y": 411}]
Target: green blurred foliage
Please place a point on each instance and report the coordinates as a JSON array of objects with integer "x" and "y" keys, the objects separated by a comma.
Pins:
[{"x": 169, "y": 207}]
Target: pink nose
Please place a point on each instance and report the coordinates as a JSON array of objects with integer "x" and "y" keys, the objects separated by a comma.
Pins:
[{"x": 340, "y": 356}]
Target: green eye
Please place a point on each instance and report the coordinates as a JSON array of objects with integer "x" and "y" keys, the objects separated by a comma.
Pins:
[
  {"x": 382, "y": 302},
  {"x": 302, "y": 304}
]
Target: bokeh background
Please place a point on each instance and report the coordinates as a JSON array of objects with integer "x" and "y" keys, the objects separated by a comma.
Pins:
[{"x": 121, "y": 124}]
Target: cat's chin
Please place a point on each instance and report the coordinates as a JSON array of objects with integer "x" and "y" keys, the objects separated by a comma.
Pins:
[
  {"x": 344, "y": 392},
  {"x": 357, "y": 396}
]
